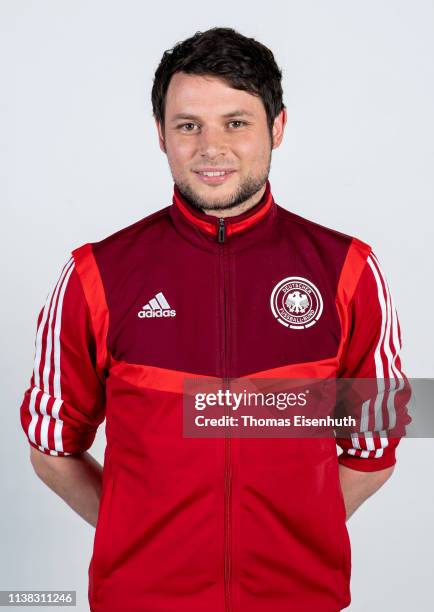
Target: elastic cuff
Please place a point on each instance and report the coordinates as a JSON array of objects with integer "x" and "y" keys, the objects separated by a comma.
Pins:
[
  {"x": 47, "y": 451},
  {"x": 368, "y": 465}
]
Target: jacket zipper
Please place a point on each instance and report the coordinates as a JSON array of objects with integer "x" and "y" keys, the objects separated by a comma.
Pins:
[
  {"x": 222, "y": 231},
  {"x": 227, "y": 468}
]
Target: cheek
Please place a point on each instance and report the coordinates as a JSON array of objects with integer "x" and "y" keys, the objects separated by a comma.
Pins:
[
  {"x": 253, "y": 149},
  {"x": 179, "y": 153}
]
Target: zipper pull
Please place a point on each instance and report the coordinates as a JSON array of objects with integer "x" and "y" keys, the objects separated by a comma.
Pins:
[{"x": 222, "y": 230}]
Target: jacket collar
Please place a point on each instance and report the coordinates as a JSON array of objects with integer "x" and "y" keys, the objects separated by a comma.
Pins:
[{"x": 209, "y": 227}]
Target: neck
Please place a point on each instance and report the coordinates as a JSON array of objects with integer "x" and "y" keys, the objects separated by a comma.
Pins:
[{"x": 240, "y": 208}]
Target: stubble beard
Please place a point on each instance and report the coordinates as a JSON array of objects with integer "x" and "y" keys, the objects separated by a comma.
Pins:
[{"x": 247, "y": 188}]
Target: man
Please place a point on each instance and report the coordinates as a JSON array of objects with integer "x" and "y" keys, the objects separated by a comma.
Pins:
[{"x": 202, "y": 288}]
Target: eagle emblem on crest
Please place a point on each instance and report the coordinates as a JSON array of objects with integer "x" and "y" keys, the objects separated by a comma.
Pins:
[{"x": 296, "y": 302}]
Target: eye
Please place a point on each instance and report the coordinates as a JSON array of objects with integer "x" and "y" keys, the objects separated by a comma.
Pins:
[
  {"x": 186, "y": 127},
  {"x": 238, "y": 121}
]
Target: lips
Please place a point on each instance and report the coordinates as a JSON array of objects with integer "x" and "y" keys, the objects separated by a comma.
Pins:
[
  {"x": 214, "y": 177},
  {"x": 214, "y": 171}
]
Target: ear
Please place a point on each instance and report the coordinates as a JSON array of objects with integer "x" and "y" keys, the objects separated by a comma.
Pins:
[
  {"x": 161, "y": 140},
  {"x": 279, "y": 127}
]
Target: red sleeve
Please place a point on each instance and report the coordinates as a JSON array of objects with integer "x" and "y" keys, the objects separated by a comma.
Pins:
[
  {"x": 372, "y": 352},
  {"x": 65, "y": 401}
]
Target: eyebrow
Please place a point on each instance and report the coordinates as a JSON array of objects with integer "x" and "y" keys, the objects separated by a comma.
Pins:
[{"x": 235, "y": 113}]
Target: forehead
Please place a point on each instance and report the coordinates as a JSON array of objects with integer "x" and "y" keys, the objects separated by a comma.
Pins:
[{"x": 207, "y": 95}]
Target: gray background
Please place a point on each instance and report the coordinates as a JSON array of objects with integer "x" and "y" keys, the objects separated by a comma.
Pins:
[{"x": 80, "y": 160}]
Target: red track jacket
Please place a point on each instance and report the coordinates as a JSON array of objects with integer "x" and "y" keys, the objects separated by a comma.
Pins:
[{"x": 195, "y": 525}]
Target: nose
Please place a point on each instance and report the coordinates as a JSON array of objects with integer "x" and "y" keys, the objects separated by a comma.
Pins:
[{"x": 212, "y": 142}]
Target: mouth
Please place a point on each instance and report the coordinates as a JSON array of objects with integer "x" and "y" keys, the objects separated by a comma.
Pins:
[{"x": 214, "y": 177}]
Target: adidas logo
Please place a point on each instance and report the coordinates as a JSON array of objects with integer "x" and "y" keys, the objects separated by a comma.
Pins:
[{"x": 158, "y": 306}]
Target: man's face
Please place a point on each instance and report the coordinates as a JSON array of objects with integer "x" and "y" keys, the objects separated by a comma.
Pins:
[{"x": 211, "y": 127}]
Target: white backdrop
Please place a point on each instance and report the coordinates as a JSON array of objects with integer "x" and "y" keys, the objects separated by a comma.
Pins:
[{"x": 80, "y": 160}]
